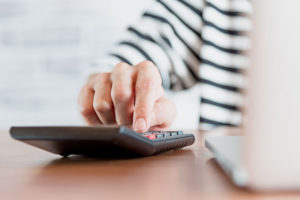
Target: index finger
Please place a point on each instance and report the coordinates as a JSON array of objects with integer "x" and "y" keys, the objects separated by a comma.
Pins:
[{"x": 148, "y": 89}]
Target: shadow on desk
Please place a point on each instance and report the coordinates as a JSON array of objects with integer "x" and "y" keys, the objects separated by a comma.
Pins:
[
  {"x": 78, "y": 159},
  {"x": 83, "y": 171}
]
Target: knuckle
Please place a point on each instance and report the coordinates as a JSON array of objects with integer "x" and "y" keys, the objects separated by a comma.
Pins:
[
  {"x": 121, "y": 94},
  {"x": 120, "y": 67},
  {"x": 96, "y": 79},
  {"x": 102, "y": 106},
  {"x": 85, "y": 88},
  {"x": 147, "y": 65},
  {"x": 86, "y": 111},
  {"x": 151, "y": 71},
  {"x": 100, "y": 78}
]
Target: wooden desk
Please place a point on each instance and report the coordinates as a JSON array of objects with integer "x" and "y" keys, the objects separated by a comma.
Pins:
[{"x": 30, "y": 173}]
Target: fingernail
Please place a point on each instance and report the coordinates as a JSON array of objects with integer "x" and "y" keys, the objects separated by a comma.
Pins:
[{"x": 140, "y": 125}]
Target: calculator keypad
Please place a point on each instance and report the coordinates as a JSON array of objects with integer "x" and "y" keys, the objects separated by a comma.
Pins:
[{"x": 158, "y": 135}]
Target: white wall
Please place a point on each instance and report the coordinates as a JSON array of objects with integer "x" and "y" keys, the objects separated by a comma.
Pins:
[{"x": 44, "y": 48}]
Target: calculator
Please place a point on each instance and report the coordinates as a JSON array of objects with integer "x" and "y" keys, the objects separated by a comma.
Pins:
[{"x": 101, "y": 140}]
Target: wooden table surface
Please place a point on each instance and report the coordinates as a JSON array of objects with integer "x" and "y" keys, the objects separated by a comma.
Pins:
[{"x": 190, "y": 173}]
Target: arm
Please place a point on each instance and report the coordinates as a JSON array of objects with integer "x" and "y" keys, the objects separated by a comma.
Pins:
[{"x": 131, "y": 92}]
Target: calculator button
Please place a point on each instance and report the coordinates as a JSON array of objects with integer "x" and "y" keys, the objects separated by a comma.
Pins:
[
  {"x": 159, "y": 136},
  {"x": 167, "y": 134},
  {"x": 173, "y": 133},
  {"x": 180, "y": 132},
  {"x": 151, "y": 136}
]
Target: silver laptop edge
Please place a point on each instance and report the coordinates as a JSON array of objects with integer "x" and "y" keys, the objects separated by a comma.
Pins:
[{"x": 229, "y": 159}]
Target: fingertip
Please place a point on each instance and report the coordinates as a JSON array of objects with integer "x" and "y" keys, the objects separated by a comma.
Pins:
[{"x": 140, "y": 125}]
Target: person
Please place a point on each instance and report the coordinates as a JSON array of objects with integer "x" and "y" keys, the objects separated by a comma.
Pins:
[{"x": 175, "y": 45}]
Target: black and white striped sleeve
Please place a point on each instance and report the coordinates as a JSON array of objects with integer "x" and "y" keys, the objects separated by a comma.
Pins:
[
  {"x": 223, "y": 61},
  {"x": 194, "y": 41},
  {"x": 169, "y": 35}
]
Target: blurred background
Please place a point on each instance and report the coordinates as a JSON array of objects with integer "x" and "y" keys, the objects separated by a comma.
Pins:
[{"x": 45, "y": 47}]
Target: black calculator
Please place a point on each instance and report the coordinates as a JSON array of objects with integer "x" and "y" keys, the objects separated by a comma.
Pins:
[{"x": 101, "y": 140}]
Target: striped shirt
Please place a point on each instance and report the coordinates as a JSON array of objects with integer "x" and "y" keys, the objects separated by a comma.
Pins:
[{"x": 193, "y": 41}]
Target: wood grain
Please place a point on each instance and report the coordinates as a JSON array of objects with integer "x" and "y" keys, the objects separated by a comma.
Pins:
[{"x": 190, "y": 173}]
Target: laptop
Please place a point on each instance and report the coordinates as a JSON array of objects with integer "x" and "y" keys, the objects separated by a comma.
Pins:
[{"x": 267, "y": 156}]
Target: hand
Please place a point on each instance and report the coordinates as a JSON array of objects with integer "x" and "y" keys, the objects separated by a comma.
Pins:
[{"x": 129, "y": 95}]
